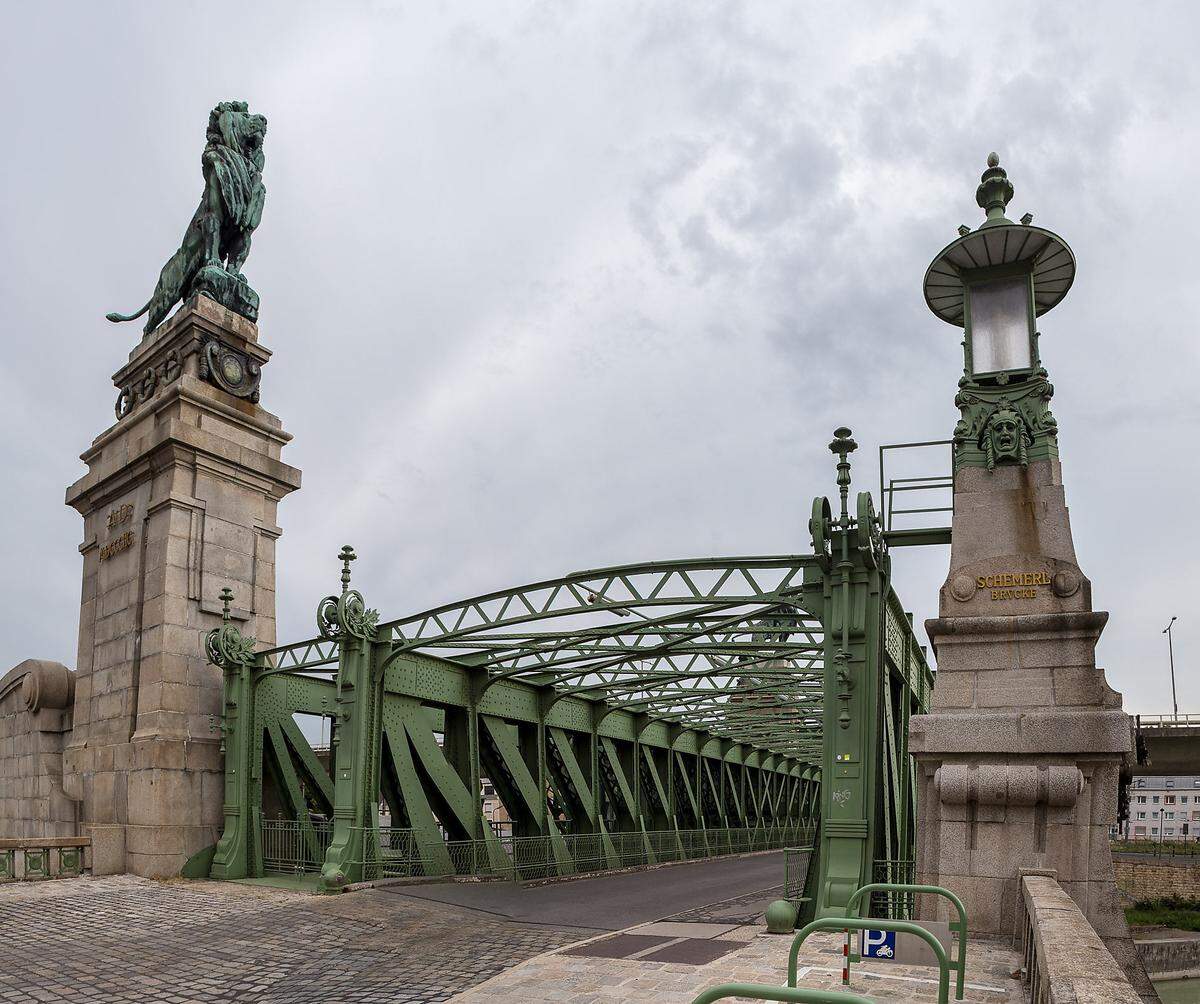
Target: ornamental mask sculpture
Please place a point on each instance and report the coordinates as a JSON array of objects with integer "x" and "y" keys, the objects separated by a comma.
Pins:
[
  {"x": 1005, "y": 439},
  {"x": 217, "y": 241}
]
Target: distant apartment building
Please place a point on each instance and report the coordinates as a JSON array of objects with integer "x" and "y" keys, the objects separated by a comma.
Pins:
[{"x": 1163, "y": 808}]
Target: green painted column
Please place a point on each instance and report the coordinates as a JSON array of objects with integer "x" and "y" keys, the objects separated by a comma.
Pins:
[
  {"x": 853, "y": 585},
  {"x": 228, "y": 648},
  {"x": 356, "y": 736}
]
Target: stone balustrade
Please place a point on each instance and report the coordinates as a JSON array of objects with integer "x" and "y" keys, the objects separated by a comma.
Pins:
[
  {"x": 42, "y": 857},
  {"x": 1065, "y": 961}
]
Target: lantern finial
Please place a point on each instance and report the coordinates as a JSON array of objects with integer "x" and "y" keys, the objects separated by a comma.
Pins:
[{"x": 994, "y": 192}]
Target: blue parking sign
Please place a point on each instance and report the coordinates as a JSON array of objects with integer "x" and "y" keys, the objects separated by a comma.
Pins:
[{"x": 878, "y": 944}]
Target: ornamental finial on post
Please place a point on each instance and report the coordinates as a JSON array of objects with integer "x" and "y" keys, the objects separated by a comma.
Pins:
[
  {"x": 346, "y": 555},
  {"x": 347, "y": 614},
  {"x": 226, "y": 646},
  {"x": 995, "y": 191},
  {"x": 842, "y": 446},
  {"x": 226, "y": 600}
]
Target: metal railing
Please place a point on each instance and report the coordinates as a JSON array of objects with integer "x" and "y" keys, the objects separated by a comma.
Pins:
[
  {"x": 402, "y": 855},
  {"x": 795, "y": 872},
  {"x": 1183, "y": 847},
  {"x": 292, "y": 847},
  {"x": 1169, "y": 721},
  {"x": 889, "y": 488},
  {"x": 891, "y": 904}
]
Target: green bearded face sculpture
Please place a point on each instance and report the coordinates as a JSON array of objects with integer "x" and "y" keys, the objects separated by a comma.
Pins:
[{"x": 1005, "y": 439}]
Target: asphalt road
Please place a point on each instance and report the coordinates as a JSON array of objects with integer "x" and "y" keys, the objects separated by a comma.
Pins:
[{"x": 613, "y": 902}]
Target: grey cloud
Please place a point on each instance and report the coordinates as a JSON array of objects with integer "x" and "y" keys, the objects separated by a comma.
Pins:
[{"x": 554, "y": 286}]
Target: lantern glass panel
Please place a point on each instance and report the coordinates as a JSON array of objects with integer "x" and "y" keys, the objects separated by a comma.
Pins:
[{"x": 1000, "y": 325}]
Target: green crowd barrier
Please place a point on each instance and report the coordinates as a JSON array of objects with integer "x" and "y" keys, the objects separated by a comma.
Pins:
[
  {"x": 959, "y": 927},
  {"x": 859, "y": 924}
]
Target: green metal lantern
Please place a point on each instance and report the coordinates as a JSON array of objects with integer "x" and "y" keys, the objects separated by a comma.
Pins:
[{"x": 995, "y": 281}]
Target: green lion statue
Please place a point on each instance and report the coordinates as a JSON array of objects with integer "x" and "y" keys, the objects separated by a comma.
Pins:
[{"x": 217, "y": 240}]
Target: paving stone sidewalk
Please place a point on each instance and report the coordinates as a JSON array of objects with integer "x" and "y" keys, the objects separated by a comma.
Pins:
[
  {"x": 762, "y": 958},
  {"x": 124, "y": 939}
]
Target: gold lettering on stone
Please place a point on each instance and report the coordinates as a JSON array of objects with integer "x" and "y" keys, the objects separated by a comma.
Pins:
[
  {"x": 121, "y": 543},
  {"x": 122, "y": 514},
  {"x": 1013, "y": 585}
]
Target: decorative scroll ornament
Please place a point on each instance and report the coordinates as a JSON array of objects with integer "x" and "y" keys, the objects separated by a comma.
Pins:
[
  {"x": 869, "y": 532},
  {"x": 226, "y": 646},
  {"x": 234, "y": 372},
  {"x": 142, "y": 387},
  {"x": 348, "y": 613},
  {"x": 821, "y": 528},
  {"x": 1009, "y": 425}
]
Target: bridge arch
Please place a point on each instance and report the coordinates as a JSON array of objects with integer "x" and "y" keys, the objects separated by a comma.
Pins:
[{"x": 638, "y": 713}]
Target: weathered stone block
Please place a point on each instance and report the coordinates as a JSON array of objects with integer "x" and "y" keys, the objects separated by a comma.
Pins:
[{"x": 108, "y": 848}]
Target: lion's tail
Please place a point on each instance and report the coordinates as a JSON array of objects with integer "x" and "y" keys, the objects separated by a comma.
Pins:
[{"x": 116, "y": 318}]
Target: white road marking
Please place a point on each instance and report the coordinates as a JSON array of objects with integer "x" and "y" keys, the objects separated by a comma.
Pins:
[{"x": 907, "y": 979}]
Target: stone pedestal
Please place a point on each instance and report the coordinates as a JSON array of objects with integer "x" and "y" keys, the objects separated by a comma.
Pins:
[
  {"x": 179, "y": 501},
  {"x": 1020, "y": 754}
]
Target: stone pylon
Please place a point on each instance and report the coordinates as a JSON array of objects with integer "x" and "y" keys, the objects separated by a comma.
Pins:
[
  {"x": 179, "y": 501},
  {"x": 1020, "y": 755}
]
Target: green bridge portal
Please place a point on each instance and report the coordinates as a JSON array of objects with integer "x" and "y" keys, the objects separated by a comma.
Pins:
[{"x": 631, "y": 715}]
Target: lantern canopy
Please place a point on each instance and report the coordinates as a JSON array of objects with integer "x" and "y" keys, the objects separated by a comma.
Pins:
[{"x": 995, "y": 280}]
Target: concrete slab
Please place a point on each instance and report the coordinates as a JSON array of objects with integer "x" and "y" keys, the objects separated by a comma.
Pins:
[
  {"x": 693, "y": 951},
  {"x": 620, "y": 946},
  {"x": 672, "y": 929}
]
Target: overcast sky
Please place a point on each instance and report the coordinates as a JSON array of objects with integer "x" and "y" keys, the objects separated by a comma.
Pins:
[{"x": 560, "y": 285}]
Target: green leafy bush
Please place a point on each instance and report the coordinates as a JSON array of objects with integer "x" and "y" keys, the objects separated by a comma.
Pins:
[{"x": 1179, "y": 912}]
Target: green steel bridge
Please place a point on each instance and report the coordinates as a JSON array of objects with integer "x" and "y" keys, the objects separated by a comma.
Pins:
[{"x": 631, "y": 715}]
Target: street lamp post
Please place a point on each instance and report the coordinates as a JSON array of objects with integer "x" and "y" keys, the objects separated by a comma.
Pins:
[
  {"x": 1171, "y": 656},
  {"x": 993, "y": 283}
]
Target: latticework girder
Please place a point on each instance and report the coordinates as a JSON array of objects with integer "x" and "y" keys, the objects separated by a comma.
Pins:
[
  {"x": 640, "y": 713},
  {"x": 713, "y": 643}
]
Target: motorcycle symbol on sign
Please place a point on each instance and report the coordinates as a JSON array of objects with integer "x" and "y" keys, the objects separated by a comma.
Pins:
[{"x": 878, "y": 944}]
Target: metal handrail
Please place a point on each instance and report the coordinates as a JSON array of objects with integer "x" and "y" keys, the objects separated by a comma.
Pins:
[
  {"x": 959, "y": 926},
  {"x": 1170, "y": 721},
  {"x": 764, "y": 992},
  {"x": 858, "y": 924},
  {"x": 888, "y": 487}
]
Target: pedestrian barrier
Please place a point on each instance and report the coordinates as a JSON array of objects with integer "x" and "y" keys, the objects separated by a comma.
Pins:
[
  {"x": 36, "y": 861},
  {"x": 859, "y": 924},
  {"x": 763, "y": 992},
  {"x": 958, "y": 927}
]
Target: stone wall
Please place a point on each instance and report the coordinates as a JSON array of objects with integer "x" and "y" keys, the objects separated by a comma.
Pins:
[
  {"x": 1155, "y": 880},
  {"x": 1170, "y": 957},
  {"x": 35, "y": 717},
  {"x": 1065, "y": 959}
]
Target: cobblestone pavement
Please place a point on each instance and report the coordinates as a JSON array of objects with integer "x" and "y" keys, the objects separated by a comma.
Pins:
[
  {"x": 748, "y": 909},
  {"x": 763, "y": 959},
  {"x": 118, "y": 939}
]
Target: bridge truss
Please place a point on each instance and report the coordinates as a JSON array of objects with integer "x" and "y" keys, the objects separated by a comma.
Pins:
[{"x": 629, "y": 715}]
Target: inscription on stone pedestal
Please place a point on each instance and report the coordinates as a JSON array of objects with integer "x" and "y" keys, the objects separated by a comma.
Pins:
[
  {"x": 116, "y": 546},
  {"x": 119, "y": 515},
  {"x": 1013, "y": 585}
]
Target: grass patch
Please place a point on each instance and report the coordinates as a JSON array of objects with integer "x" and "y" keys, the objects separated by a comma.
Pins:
[{"x": 1170, "y": 911}]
